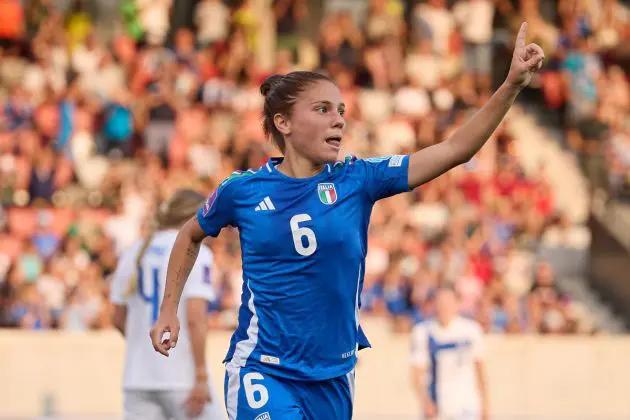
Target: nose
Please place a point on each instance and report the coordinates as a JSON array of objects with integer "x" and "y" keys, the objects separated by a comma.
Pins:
[{"x": 338, "y": 121}]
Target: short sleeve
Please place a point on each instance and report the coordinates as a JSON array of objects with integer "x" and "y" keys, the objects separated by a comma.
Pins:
[
  {"x": 362, "y": 339},
  {"x": 218, "y": 210},
  {"x": 121, "y": 277},
  {"x": 385, "y": 176},
  {"x": 419, "y": 346},
  {"x": 478, "y": 347},
  {"x": 199, "y": 284}
]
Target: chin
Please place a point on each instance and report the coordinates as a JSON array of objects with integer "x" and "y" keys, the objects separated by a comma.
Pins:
[
  {"x": 334, "y": 150},
  {"x": 329, "y": 156}
]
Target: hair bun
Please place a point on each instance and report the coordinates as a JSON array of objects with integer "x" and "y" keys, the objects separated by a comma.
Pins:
[{"x": 269, "y": 83}]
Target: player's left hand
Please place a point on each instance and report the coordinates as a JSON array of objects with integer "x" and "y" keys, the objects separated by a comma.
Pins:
[
  {"x": 526, "y": 60},
  {"x": 197, "y": 399}
]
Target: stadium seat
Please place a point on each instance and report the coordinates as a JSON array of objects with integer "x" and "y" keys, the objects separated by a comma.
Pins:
[
  {"x": 22, "y": 221},
  {"x": 97, "y": 216},
  {"x": 11, "y": 246},
  {"x": 62, "y": 219}
]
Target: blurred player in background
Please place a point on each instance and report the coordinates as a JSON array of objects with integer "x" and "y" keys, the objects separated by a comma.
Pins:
[
  {"x": 154, "y": 387},
  {"x": 447, "y": 352},
  {"x": 303, "y": 222}
]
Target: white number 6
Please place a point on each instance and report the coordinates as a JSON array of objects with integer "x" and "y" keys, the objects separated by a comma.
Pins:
[
  {"x": 299, "y": 232},
  {"x": 252, "y": 389}
]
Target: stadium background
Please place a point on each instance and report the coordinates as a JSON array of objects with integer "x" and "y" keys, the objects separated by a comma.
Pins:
[{"x": 109, "y": 106}]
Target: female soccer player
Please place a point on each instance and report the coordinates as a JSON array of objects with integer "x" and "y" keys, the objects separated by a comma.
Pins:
[
  {"x": 450, "y": 347},
  {"x": 303, "y": 222},
  {"x": 156, "y": 388}
]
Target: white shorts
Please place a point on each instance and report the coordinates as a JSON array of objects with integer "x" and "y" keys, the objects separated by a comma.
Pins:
[{"x": 166, "y": 405}]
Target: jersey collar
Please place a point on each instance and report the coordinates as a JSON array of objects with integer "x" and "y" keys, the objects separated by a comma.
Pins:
[{"x": 271, "y": 164}]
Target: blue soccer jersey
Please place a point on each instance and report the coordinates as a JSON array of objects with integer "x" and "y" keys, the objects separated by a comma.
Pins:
[{"x": 303, "y": 242}]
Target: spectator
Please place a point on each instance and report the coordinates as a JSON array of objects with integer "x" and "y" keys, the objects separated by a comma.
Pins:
[
  {"x": 29, "y": 311},
  {"x": 162, "y": 112},
  {"x": 423, "y": 67},
  {"x": 44, "y": 238},
  {"x": 87, "y": 56},
  {"x": 118, "y": 124},
  {"x": 83, "y": 309},
  {"x": 154, "y": 17},
  {"x": 582, "y": 71},
  {"x": 78, "y": 23},
  {"x": 339, "y": 43},
  {"x": 547, "y": 303},
  {"x": 212, "y": 19},
  {"x": 475, "y": 19},
  {"x": 18, "y": 109},
  {"x": 434, "y": 21},
  {"x": 246, "y": 19},
  {"x": 43, "y": 176},
  {"x": 41, "y": 75},
  {"x": 289, "y": 15}
]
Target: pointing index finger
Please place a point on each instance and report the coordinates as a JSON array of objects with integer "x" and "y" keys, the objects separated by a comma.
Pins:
[{"x": 520, "y": 38}]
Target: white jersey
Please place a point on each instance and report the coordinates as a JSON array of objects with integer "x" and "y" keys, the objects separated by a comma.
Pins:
[
  {"x": 145, "y": 369},
  {"x": 449, "y": 354}
]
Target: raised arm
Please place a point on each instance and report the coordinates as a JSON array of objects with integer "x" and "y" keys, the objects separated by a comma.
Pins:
[
  {"x": 180, "y": 263},
  {"x": 433, "y": 161}
]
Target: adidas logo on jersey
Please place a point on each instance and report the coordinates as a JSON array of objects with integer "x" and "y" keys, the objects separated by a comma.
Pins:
[
  {"x": 263, "y": 416},
  {"x": 266, "y": 204}
]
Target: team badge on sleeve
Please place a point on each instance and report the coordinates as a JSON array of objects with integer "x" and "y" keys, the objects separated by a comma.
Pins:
[
  {"x": 395, "y": 161},
  {"x": 327, "y": 193},
  {"x": 209, "y": 203}
]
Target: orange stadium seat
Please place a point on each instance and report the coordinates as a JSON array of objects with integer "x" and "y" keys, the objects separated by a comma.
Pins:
[
  {"x": 22, "y": 221},
  {"x": 62, "y": 219},
  {"x": 11, "y": 246},
  {"x": 98, "y": 216}
]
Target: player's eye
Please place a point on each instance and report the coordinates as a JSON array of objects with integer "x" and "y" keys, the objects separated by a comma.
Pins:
[
  {"x": 322, "y": 109},
  {"x": 342, "y": 111}
]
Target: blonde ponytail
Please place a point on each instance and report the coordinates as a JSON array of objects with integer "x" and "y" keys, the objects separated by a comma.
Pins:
[
  {"x": 132, "y": 286},
  {"x": 171, "y": 213}
]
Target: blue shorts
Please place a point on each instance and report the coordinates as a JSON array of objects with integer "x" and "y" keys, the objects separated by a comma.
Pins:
[{"x": 250, "y": 395}]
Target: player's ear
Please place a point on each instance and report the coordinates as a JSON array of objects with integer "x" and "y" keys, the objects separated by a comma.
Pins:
[{"x": 282, "y": 124}]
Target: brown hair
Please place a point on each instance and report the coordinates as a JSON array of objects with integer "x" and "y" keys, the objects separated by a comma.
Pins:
[
  {"x": 182, "y": 205},
  {"x": 281, "y": 92}
]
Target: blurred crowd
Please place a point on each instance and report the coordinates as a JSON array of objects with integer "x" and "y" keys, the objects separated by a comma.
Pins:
[
  {"x": 96, "y": 129},
  {"x": 587, "y": 83}
]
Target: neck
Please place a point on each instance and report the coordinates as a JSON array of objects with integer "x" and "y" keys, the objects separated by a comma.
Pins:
[
  {"x": 297, "y": 166},
  {"x": 446, "y": 320}
]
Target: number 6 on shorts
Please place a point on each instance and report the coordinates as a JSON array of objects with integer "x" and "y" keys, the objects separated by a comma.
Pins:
[{"x": 252, "y": 391}]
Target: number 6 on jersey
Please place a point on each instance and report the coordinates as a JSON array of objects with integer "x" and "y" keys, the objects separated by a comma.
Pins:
[
  {"x": 303, "y": 232},
  {"x": 252, "y": 389}
]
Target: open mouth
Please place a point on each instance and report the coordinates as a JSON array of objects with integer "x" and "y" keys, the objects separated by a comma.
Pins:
[{"x": 334, "y": 141}]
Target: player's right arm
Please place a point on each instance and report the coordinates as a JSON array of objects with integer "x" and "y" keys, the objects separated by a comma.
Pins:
[
  {"x": 180, "y": 263},
  {"x": 419, "y": 363},
  {"x": 216, "y": 213}
]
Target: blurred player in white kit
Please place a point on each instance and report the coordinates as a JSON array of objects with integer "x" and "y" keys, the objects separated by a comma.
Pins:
[
  {"x": 156, "y": 387},
  {"x": 447, "y": 364}
]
